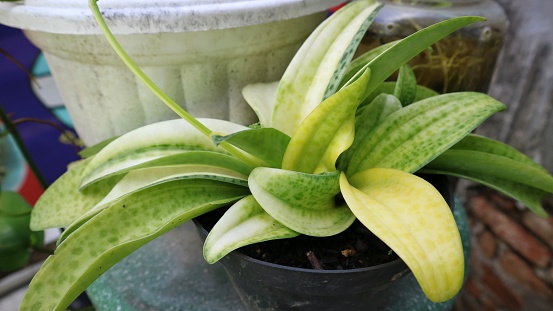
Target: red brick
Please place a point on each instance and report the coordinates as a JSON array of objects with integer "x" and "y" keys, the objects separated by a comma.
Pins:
[
  {"x": 473, "y": 299},
  {"x": 516, "y": 267},
  {"x": 511, "y": 233},
  {"x": 472, "y": 289},
  {"x": 502, "y": 201},
  {"x": 501, "y": 292},
  {"x": 488, "y": 305},
  {"x": 542, "y": 227},
  {"x": 488, "y": 244}
]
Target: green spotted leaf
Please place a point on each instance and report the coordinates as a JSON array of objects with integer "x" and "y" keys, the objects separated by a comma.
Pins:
[
  {"x": 151, "y": 142},
  {"x": 326, "y": 132},
  {"x": 302, "y": 202},
  {"x": 244, "y": 223},
  {"x": 138, "y": 180},
  {"x": 382, "y": 106},
  {"x": 406, "y": 85},
  {"x": 497, "y": 166},
  {"x": 320, "y": 64},
  {"x": 414, "y": 135},
  {"x": 116, "y": 232}
]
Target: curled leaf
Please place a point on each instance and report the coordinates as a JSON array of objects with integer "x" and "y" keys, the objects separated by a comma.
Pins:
[
  {"x": 413, "y": 219},
  {"x": 302, "y": 202},
  {"x": 244, "y": 223}
]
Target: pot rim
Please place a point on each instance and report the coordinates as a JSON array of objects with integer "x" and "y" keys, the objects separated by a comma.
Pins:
[
  {"x": 446, "y": 189},
  {"x": 244, "y": 257},
  {"x": 147, "y": 16}
]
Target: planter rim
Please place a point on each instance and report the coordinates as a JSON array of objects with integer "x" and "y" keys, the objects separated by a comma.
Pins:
[
  {"x": 446, "y": 189},
  {"x": 153, "y": 16},
  {"x": 314, "y": 271},
  {"x": 302, "y": 270}
]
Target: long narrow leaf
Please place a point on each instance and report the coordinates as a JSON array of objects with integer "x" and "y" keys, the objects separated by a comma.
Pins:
[
  {"x": 475, "y": 142},
  {"x": 361, "y": 61},
  {"x": 116, "y": 232},
  {"x": 139, "y": 180},
  {"x": 403, "y": 51},
  {"x": 478, "y": 162},
  {"x": 62, "y": 202},
  {"x": 414, "y": 135},
  {"x": 152, "y": 142},
  {"x": 326, "y": 132},
  {"x": 496, "y": 175},
  {"x": 319, "y": 65}
]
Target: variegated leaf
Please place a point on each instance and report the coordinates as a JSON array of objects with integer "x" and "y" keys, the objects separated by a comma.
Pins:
[
  {"x": 414, "y": 135},
  {"x": 413, "y": 219},
  {"x": 302, "y": 202},
  {"x": 62, "y": 202},
  {"x": 138, "y": 180},
  {"x": 152, "y": 142},
  {"x": 326, "y": 132},
  {"x": 319, "y": 65},
  {"x": 244, "y": 223},
  {"x": 116, "y": 232}
]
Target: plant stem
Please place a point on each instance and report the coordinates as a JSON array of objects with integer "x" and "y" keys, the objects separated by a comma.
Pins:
[
  {"x": 159, "y": 93},
  {"x": 140, "y": 74},
  {"x": 11, "y": 129},
  {"x": 63, "y": 131}
]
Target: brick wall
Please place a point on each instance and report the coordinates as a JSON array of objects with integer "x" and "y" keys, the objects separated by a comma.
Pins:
[{"x": 512, "y": 255}]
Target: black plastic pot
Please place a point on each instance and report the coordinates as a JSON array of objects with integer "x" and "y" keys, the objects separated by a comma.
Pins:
[{"x": 266, "y": 286}]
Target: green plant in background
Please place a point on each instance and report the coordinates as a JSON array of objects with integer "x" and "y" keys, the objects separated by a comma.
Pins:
[
  {"x": 334, "y": 143},
  {"x": 17, "y": 241},
  {"x": 16, "y": 238}
]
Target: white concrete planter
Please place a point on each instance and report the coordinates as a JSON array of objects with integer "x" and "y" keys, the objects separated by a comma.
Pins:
[{"x": 200, "y": 52}]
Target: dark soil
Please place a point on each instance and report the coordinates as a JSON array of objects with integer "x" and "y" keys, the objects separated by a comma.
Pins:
[{"x": 354, "y": 248}]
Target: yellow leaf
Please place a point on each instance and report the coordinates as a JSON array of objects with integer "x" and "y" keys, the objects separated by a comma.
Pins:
[{"x": 414, "y": 220}]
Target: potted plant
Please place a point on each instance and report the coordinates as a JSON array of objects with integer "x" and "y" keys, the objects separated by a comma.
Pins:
[
  {"x": 249, "y": 41},
  {"x": 334, "y": 145}
]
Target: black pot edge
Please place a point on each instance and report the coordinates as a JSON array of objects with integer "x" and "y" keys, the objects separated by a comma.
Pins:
[{"x": 446, "y": 189}]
